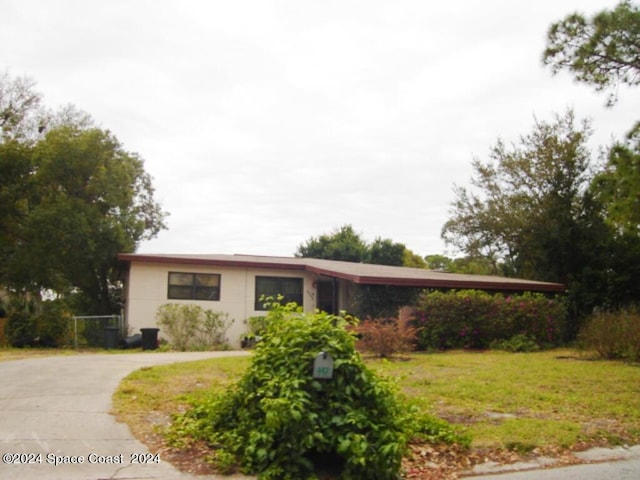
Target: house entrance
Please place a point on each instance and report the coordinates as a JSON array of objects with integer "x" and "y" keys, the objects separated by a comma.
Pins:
[{"x": 328, "y": 296}]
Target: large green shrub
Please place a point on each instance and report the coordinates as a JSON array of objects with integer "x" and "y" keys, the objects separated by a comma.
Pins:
[
  {"x": 613, "y": 335},
  {"x": 281, "y": 423},
  {"x": 474, "y": 319},
  {"x": 191, "y": 327},
  {"x": 50, "y": 327}
]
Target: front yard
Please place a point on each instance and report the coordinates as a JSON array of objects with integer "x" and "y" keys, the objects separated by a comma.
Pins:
[{"x": 512, "y": 405}]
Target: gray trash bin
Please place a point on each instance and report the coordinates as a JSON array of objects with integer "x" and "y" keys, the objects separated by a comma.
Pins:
[{"x": 111, "y": 335}]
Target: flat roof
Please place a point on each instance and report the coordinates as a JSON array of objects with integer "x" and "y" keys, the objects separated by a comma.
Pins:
[{"x": 359, "y": 273}]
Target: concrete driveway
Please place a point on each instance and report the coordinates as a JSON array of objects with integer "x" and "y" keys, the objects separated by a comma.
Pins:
[{"x": 55, "y": 410}]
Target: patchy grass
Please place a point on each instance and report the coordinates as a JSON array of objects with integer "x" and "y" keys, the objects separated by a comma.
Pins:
[{"x": 527, "y": 402}]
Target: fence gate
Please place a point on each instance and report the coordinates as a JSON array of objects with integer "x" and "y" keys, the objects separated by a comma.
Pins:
[{"x": 90, "y": 330}]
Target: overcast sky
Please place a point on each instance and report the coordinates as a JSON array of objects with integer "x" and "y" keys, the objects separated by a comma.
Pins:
[{"x": 264, "y": 123}]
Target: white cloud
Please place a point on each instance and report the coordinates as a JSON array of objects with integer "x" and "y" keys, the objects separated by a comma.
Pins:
[{"x": 264, "y": 123}]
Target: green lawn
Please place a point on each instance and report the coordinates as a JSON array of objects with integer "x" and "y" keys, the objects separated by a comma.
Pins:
[
  {"x": 526, "y": 400},
  {"x": 504, "y": 400}
]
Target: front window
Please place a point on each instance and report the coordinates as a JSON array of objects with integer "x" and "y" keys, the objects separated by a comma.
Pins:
[
  {"x": 287, "y": 287},
  {"x": 194, "y": 286}
]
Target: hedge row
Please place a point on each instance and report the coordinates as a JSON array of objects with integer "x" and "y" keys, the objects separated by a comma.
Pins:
[{"x": 474, "y": 319}]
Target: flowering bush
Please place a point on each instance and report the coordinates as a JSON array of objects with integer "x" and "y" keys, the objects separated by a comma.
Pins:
[{"x": 473, "y": 319}]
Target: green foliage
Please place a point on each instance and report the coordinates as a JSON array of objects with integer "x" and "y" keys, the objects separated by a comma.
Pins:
[
  {"x": 618, "y": 185},
  {"x": 281, "y": 423},
  {"x": 50, "y": 327},
  {"x": 603, "y": 51},
  {"x": 21, "y": 115},
  {"x": 527, "y": 210},
  {"x": 382, "y": 300},
  {"x": 385, "y": 337},
  {"x": 71, "y": 200},
  {"x": 517, "y": 344},
  {"x": 613, "y": 335},
  {"x": 343, "y": 244},
  {"x": 473, "y": 320},
  {"x": 434, "y": 430},
  {"x": 256, "y": 327},
  {"x": 385, "y": 252},
  {"x": 534, "y": 216},
  {"x": 20, "y": 330},
  {"x": 467, "y": 265},
  {"x": 191, "y": 327}
]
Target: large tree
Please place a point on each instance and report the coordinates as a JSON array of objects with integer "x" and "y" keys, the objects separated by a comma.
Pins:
[
  {"x": 533, "y": 215},
  {"x": 603, "y": 51},
  {"x": 522, "y": 216},
  {"x": 72, "y": 198}
]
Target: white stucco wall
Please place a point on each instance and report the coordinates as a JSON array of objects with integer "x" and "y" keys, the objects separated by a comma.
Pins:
[{"x": 147, "y": 287}]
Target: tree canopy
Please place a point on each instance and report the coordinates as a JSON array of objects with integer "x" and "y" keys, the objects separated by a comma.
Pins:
[
  {"x": 343, "y": 244},
  {"x": 603, "y": 51},
  {"x": 347, "y": 245},
  {"x": 72, "y": 199},
  {"x": 527, "y": 202},
  {"x": 535, "y": 214},
  {"x": 618, "y": 185}
]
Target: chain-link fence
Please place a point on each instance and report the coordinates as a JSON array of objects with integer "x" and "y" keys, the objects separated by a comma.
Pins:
[{"x": 98, "y": 331}]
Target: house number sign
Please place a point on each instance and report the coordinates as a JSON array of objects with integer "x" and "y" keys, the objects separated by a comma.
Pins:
[{"x": 323, "y": 366}]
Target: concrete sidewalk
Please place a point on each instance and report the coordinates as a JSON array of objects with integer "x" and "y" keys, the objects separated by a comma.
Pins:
[
  {"x": 616, "y": 470},
  {"x": 56, "y": 410}
]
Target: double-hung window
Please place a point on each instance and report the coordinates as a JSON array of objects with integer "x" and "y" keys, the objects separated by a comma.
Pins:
[
  {"x": 289, "y": 288},
  {"x": 194, "y": 286}
]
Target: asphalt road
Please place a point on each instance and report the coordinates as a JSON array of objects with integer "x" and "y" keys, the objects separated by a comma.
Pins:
[
  {"x": 55, "y": 424},
  {"x": 55, "y": 421}
]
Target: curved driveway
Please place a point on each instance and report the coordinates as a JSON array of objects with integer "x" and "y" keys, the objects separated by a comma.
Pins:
[{"x": 57, "y": 407}]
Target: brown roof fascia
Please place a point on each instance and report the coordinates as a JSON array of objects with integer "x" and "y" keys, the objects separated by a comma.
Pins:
[
  {"x": 255, "y": 262},
  {"x": 186, "y": 260}
]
